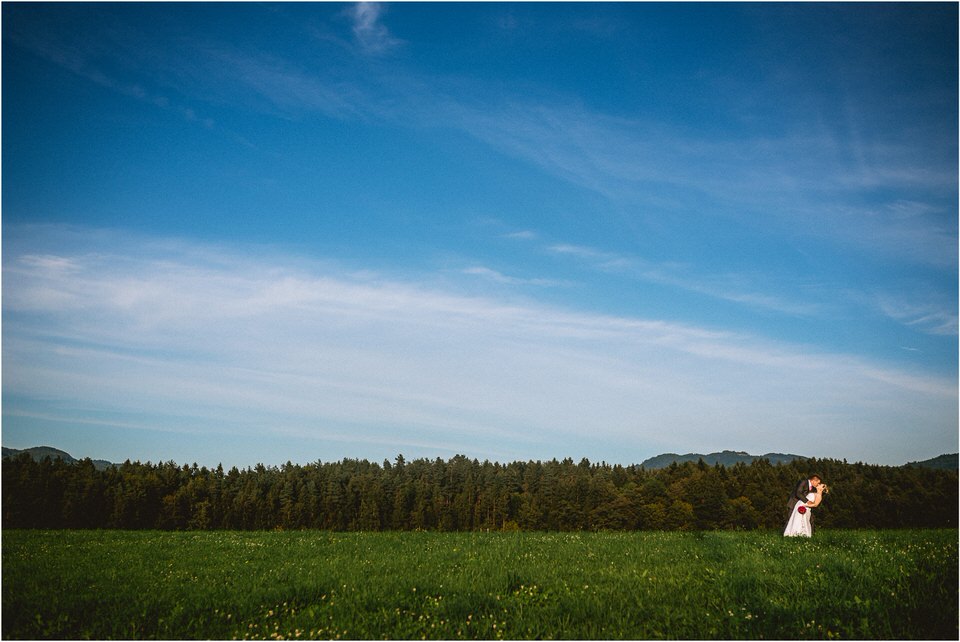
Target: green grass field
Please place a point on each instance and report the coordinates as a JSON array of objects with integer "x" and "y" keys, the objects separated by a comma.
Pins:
[{"x": 298, "y": 585}]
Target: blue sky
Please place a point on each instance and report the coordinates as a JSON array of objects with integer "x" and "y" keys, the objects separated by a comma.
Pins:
[{"x": 270, "y": 232}]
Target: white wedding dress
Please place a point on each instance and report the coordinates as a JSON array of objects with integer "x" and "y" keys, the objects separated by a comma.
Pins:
[{"x": 799, "y": 523}]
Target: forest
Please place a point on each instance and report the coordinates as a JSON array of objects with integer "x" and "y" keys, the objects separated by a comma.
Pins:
[{"x": 463, "y": 494}]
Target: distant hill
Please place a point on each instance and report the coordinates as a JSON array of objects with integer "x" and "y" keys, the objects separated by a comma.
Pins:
[
  {"x": 943, "y": 462},
  {"x": 39, "y": 453},
  {"x": 726, "y": 457}
]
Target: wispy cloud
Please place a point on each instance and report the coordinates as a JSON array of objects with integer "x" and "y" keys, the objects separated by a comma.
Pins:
[
  {"x": 172, "y": 333},
  {"x": 370, "y": 33},
  {"x": 736, "y": 288},
  {"x": 794, "y": 182},
  {"x": 930, "y": 314},
  {"x": 121, "y": 62},
  {"x": 269, "y": 340},
  {"x": 499, "y": 277},
  {"x": 824, "y": 178},
  {"x": 527, "y": 235},
  {"x": 288, "y": 88},
  {"x": 583, "y": 252}
]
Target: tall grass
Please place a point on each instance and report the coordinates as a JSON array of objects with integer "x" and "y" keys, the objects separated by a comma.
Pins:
[{"x": 290, "y": 585}]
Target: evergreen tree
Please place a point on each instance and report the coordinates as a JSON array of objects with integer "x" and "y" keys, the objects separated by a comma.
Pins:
[{"x": 462, "y": 494}]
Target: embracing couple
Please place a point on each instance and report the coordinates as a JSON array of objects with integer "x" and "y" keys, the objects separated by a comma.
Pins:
[{"x": 806, "y": 496}]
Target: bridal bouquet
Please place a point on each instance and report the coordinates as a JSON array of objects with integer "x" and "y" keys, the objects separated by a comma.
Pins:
[{"x": 801, "y": 509}]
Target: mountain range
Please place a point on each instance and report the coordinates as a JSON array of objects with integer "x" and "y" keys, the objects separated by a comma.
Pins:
[
  {"x": 39, "y": 453},
  {"x": 726, "y": 457},
  {"x": 944, "y": 462}
]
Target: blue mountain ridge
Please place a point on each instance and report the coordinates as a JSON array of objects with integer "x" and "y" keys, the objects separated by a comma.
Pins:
[
  {"x": 725, "y": 457},
  {"x": 39, "y": 453}
]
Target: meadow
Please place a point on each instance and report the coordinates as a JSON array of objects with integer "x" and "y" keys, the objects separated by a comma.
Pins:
[{"x": 866, "y": 584}]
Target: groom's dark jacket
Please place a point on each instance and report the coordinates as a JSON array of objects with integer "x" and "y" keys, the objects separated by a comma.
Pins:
[{"x": 800, "y": 492}]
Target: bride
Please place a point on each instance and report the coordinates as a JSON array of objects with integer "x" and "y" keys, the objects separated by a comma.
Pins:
[{"x": 800, "y": 524}]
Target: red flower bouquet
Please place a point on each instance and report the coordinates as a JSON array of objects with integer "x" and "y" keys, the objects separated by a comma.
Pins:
[{"x": 801, "y": 509}]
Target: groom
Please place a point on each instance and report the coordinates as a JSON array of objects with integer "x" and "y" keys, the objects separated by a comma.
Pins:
[{"x": 804, "y": 486}]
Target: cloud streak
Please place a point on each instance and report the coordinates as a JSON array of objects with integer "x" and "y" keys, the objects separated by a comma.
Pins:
[
  {"x": 926, "y": 315},
  {"x": 498, "y": 277},
  {"x": 370, "y": 33},
  {"x": 161, "y": 334},
  {"x": 824, "y": 182},
  {"x": 730, "y": 287},
  {"x": 813, "y": 204}
]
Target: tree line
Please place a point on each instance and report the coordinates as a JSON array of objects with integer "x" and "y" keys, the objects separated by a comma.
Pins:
[{"x": 461, "y": 494}]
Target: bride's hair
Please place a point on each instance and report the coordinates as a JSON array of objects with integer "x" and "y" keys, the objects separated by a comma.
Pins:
[{"x": 825, "y": 489}]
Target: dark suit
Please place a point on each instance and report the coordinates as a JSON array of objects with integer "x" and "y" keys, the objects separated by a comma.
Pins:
[{"x": 800, "y": 494}]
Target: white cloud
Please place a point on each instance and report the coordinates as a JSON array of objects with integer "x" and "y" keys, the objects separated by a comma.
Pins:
[
  {"x": 797, "y": 182},
  {"x": 499, "y": 277},
  {"x": 583, "y": 252},
  {"x": 286, "y": 87},
  {"x": 928, "y": 314},
  {"x": 527, "y": 235},
  {"x": 371, "y": 34},
  {"x": 733, "y": 287},
  {"x": 817, "y": 178},
  {"x": 175, "y": 334}
]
